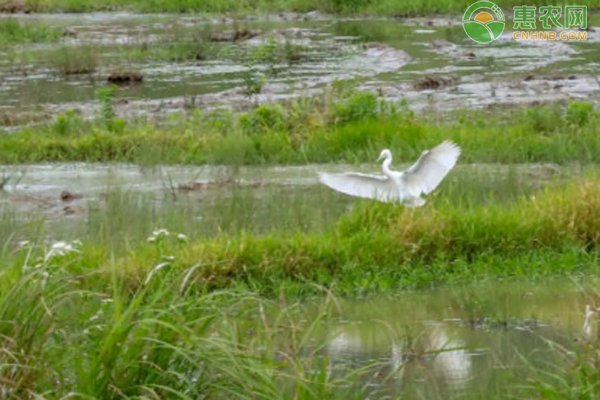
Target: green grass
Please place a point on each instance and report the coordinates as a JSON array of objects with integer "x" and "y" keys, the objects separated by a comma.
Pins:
[
  {"x": 108, "y": 342},
  {"x": 375, "y": 248},
  {"x": 379, "y": 248},
  {"x": 168, "y": 340},
  {"x": 351, "y": 128},
  {"x": 154, "y": 320},
  {"x": 13, "y": 32},
  {"x": 75, "y": 60},
  {"x": 382, "y": 7},
  {"x": 179, "y": 45}
]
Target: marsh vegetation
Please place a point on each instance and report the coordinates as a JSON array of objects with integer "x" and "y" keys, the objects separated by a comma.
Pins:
[
  {"x": 167, "y": 238},
  {"x": 346, "y": 127},
  {"x": 384, "y": 7}
]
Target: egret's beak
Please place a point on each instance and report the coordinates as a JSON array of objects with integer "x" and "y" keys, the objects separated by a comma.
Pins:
[{"x": 380, "y": 158}]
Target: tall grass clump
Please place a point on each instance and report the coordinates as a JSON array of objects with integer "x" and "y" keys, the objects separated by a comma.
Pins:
[
  {"x": 356, "y": 108},
  {"x": 188, "y": 50},
  {"x": 68, "y": 123},
  {"x": 576, "y": 375},
  {"x": 13, "y": 32},
  {"x": 579, "y": 114},
  {"x": 274, "y": 56},
  {"x": 106, "y": 114},
  {"x": 184, "y": 46},
  {"x": 76, "y": 60},
  {"x": 63, "y": 336}
]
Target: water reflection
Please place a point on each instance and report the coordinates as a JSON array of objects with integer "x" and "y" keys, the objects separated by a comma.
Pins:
[
  {"x": 588, "y": 323},
  {"x": 452, "y": 362},
  {"x": 447, "y": 343},
  {"x": 438, "y": 354}
]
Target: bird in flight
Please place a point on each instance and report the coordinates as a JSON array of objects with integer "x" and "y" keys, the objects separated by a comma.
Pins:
[{"x": 403, "y": 187}]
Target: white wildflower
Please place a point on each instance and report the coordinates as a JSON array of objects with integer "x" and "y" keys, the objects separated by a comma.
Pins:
[
  {"x": 65, "y": 248},
  {"x": 62, "y": 248},
  {"x": 182, "y": 238},
  {"x": 160, "y": 232},
  {"x": 59, "y": 246}
]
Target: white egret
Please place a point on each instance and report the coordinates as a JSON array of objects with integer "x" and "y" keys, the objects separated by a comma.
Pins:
[{"x": 404, "y": 187}]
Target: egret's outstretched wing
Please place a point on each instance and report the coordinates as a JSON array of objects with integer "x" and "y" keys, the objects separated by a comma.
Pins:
[
  {"x": 429, "y": 170},
  {"x": 377, "y": 187}
]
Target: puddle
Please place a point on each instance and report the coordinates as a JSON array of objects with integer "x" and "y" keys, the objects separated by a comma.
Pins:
[{"x": 384, "y": 55}]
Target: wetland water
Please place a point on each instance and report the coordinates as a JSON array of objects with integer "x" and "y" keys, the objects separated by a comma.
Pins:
[
  {"x": 437, "y": 343},
  {"x": 428, "y": 62},
  {"x": 457, "y": 341},
  {"x": 207, "y": 200},
  {"x": 460, "y": 342}
]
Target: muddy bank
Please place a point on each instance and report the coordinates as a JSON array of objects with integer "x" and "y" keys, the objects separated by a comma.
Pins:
[
  {"x": 369, "y": 61},
  {"x": 444, "y": 93}
]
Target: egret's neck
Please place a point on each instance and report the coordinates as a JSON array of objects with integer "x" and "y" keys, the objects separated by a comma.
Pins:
[{"x": 386, "y": 166}]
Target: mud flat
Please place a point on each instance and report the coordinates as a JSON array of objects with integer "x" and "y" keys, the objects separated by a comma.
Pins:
[{"x": 390, "y": 56}]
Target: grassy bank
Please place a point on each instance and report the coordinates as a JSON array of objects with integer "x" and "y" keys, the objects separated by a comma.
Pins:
[
  {"x": 381, "y": 248},
  {"x": 181, "y": 318},
  {"x": 167, "y": 340},
  {"x": 383, "y": 7},
  {"x": 374, "y": 249},
  {"x": 329, "y": 128},
  {"x": 13, "y": 33}
]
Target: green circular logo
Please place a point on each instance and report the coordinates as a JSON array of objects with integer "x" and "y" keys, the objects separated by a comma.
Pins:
[{"x": 481, "y": 26}]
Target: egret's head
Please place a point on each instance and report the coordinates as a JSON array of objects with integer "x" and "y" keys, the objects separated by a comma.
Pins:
[{"x": 385, "y": 155}]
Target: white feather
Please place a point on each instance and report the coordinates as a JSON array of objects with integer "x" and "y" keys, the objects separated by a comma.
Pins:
[
  {"x": 429, "y": 170},
  {"x": 378, "y": 187},
  {"x": 393, "y": 186}
]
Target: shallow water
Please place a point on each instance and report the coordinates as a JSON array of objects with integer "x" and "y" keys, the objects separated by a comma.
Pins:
[
  {"x": 76, "y": 200},
  {"x": 472, "y": 341},
  {"x": 393, "y": 57}
]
